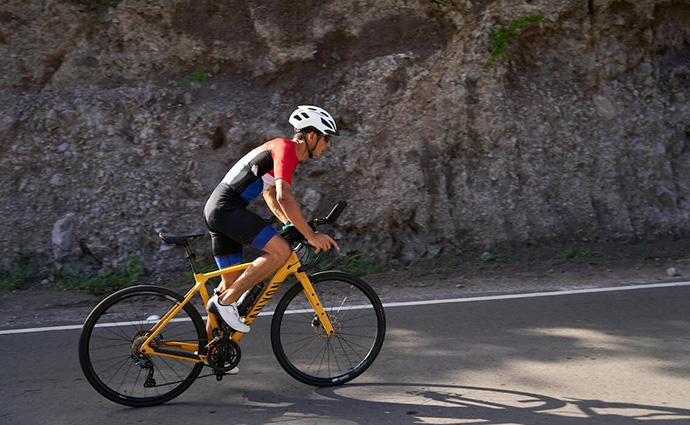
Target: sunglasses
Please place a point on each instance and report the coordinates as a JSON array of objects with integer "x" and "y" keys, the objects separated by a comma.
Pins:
[{"x": 326, "y": 136}]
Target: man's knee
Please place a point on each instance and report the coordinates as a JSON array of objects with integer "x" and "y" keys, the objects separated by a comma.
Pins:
[
  {"x": 285, "y": 250},
  {"x": 278, "y": 247}
]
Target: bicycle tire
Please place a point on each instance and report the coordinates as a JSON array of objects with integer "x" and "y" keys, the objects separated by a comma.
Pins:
[
  {"x": 306, "y": 352},
  {"x": 107, "y": 339}
]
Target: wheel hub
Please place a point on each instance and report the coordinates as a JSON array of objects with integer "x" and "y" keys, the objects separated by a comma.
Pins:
[{"x": 321, "y": 331}]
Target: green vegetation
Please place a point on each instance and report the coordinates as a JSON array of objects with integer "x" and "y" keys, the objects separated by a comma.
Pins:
[
  {"x": 434, "y": 262},
  {"x": 494, "y": 256},
  {"x": 22, "y": 274},
  {"x": 452, "y": 263},
  {"x": 500, "y": 36},
  {"x": 19, "y": 274},
  {"x": 355, "y": 264},
  {"x": 571, "y": 253},
  {"x": 103, "y": 281},
  {"x": 643, "y": 250},
  {"x": 195, "y": 77},
  {"x": 358, "y": 265},
  {"x": 646, "y": 252}
]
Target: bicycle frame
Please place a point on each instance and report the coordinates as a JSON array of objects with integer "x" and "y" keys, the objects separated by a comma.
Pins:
[{"x": 185, "y": 350}]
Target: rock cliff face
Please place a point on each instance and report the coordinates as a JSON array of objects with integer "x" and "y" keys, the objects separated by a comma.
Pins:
[{"x": 118, "y": 118}]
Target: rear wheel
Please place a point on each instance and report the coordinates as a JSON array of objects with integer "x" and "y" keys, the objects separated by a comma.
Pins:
[
  {"x": 116, "y": 328},
  {"x": 307, "y": 352}
]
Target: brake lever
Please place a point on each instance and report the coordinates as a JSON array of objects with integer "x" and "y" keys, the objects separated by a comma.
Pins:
[{"x": 319, "y": 256}]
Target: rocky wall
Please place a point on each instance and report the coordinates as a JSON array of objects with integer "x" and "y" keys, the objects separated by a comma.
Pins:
[{"x": 119, "y": 117}]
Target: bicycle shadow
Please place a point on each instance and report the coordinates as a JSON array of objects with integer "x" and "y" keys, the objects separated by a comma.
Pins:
[{"x": 409, "y": 403}]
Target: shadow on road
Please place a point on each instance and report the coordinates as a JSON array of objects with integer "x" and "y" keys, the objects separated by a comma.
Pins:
[{"x": 407, "y": 403}]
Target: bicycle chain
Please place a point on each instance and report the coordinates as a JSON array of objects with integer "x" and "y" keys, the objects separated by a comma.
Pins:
[
  {"x": 229, "y": 345},
  {"x": 198, "y": 377}
]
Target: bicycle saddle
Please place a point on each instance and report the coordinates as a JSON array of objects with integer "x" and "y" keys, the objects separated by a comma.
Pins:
[{"x": 179, "y": 239}]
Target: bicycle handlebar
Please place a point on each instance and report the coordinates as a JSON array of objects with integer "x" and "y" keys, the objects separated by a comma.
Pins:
[{"x": 294, "y": 237}]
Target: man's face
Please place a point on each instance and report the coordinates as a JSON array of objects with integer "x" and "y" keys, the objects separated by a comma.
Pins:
[{"x": 322, "y": 142}]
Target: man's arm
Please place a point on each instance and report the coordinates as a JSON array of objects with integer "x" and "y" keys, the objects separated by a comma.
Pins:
[
  {"x": 287, "y": 203},
  {"x": 273, "y": 205}
]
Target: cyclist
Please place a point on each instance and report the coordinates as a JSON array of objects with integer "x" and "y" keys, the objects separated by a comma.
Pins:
[{"x": 266, "y": 169}]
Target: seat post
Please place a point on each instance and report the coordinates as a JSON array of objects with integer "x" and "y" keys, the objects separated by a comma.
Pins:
[{"x": 191, "y": 257}]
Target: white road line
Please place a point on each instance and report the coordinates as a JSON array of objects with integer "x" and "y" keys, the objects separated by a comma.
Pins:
[
  {"x": 427, "y": 302},
  {"x": 537, "y": 294}
]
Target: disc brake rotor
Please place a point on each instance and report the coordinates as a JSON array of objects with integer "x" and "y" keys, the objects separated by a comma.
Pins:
[{"x": 321, "y": 331}]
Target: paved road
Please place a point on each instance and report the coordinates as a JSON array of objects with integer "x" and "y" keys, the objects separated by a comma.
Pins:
[{"x": 605, "y": 358}]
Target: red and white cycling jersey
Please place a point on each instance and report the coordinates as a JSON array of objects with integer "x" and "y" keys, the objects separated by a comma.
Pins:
[{"x": 258, "y": 170}]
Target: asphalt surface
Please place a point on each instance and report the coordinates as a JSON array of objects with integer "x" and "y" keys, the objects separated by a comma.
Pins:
[{"x": 619, "y": 357}]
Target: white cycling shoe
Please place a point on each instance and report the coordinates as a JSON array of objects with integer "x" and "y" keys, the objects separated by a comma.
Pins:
[
  {"x": 228, "y": 313},
  {"x": 234, "y": 371}
]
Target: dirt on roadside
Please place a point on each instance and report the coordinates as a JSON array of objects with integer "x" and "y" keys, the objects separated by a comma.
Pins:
[{"x": 474, "y": 274}]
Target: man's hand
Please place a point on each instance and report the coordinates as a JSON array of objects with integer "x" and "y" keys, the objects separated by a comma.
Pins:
[{"x": 322, "y": 242}]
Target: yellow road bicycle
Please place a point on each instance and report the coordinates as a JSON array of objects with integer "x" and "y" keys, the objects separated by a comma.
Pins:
[{"x": 145, "y": 345}]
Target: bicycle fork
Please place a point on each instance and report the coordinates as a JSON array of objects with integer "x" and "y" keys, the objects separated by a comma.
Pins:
[{"x": 316, "y": 303}]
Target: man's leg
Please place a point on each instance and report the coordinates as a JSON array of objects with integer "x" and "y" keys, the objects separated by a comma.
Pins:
[
  {"x": 276, "y": 253},
  {"x": 226, "y": 281}
]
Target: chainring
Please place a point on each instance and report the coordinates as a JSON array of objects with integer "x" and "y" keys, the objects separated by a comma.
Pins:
[{"x": 224, "y": 355}]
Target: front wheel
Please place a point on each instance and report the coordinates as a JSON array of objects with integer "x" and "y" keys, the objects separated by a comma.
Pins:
[
  {"x": 307, "y": 352},
  {"x": 112, "y": 334}
]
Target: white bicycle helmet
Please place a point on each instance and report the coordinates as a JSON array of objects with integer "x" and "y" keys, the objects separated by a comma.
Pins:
[{"x": 313, "y": 116}]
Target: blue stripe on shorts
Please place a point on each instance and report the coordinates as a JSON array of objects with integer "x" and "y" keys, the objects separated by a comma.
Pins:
[
  {"x": 263, "y": 237},
  {"x": 228, "y": 260}
]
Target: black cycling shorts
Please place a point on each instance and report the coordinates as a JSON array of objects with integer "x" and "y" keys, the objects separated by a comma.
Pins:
[{"x": 231, "y": 226}]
